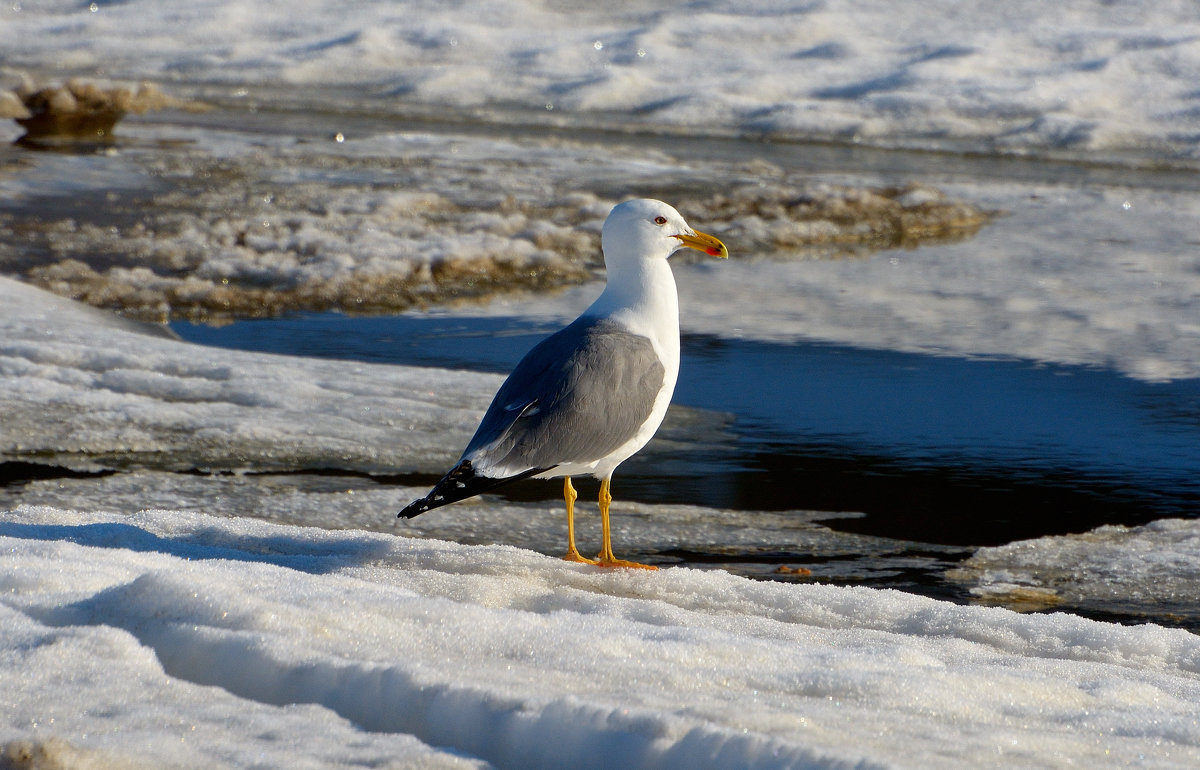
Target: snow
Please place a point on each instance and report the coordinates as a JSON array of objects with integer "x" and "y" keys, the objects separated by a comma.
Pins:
[
  {"x": 194, "y": 640},
  {"x": 145, "y": 400},
  {"x": 1082, "y": 75},
  {"x": 155, "y": 619},
  {"x": 185, "y": 638}
]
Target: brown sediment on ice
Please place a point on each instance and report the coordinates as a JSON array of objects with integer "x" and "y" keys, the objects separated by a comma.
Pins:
[
  {"x": 54, "y": 753},
  {"x": 79, "y": 109},
  {"x": 1020, "y": 598},
  {"x": 140, "y": 293},
  {"x": 266, "y": 257},
  {"x": 308, "y": 229},
  {"x": 861, "y": 220}
]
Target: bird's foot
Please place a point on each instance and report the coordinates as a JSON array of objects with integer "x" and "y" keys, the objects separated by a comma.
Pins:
[
  {"x": 612, "y": 562},
  {"x": 576, "y": 556}
]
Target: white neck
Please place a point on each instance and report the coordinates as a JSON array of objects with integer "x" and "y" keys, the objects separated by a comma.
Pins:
[{"x": 640, "y": 294}]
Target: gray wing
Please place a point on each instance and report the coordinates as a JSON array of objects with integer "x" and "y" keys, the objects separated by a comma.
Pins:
[{"x": 575, "y": 397}]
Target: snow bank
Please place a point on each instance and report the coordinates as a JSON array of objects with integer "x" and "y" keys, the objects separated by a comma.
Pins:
[
  {"x": 181, "y": 639},
  {"x": 79, "y": 390},
  {"x": 1080, "y": 74}
]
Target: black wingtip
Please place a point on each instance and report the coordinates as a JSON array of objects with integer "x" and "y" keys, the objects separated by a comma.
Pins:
[
  {"x": 459, "y": 484},
  {"x": 415, "y": 508}
]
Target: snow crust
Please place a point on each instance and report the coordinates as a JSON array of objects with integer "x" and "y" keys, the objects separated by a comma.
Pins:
[
  {"x": 78, "y": 389},
  {"x": 190, "y": 639},
  {"x": 1017, "y": 75},
  {"x": 157, "y": 637}
]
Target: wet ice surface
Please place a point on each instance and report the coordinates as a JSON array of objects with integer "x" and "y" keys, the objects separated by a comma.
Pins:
[
  {"x": 230, "y": 215},
  {"x": 1150, "y": 569},
  {"x": 781, "y": 545}
]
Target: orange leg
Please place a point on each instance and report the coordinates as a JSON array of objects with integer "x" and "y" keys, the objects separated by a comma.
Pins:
[
  {"x": 570, "y": 495},
  {"x": 606, "y": 558}
]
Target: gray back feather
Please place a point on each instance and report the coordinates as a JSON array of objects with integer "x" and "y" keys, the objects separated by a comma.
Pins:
[{"x": 575, "y": 397}]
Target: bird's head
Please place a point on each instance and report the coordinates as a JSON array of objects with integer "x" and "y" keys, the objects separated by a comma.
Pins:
[{"x": 650, "y": 229}]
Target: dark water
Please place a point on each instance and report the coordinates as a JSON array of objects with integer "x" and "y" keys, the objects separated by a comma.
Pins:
[{"x": 936, "y": 450}]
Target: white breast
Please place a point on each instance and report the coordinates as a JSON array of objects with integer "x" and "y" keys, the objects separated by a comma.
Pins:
[{"x": 646, "y": 304}]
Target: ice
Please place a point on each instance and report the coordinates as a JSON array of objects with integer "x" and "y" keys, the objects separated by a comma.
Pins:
[
  {"x": 139, "y": 399},
  {"x": 1074, "y": 271},
  {"x": 1112, "y": 568},
  {"x": 196, "y": 640},
  {"x": 762, "y": 543},
  {"x": 245, "y": 225},
  {"x": 193, "y": 635},
  {"x": 147, "y": 621},
  {"x": 1071, "y": 273},
  {"x": 1068, "y": 275},
  {"x": 1013, "y": 76},
  {"x": 1072, "y": 277}
]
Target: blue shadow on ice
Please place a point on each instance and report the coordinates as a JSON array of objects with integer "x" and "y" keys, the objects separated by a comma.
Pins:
[{"x": 207, "y": 543}]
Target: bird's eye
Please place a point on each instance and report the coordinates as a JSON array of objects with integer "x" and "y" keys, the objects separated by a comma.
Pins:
[{"x": 660, "y": 220}]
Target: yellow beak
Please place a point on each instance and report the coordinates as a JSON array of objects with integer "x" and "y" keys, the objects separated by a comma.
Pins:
[{"x": 706, "y": 243}]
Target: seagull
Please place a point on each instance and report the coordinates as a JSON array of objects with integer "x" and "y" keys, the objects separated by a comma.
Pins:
[{"x": 589, "y": 396}]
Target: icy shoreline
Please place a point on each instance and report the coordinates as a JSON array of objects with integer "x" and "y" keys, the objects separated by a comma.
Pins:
[{"x": 185, "y": 636}]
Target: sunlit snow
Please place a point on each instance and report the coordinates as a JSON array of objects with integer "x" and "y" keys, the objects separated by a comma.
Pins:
[
  {"x": 1012, "y": 75},
  {"x": 173, "y": 615},
  {"x": 356, "y": 648},
  {"x": 177, "y": 638}
]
